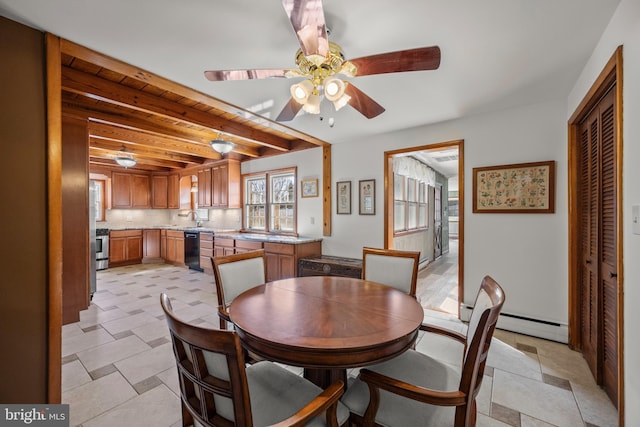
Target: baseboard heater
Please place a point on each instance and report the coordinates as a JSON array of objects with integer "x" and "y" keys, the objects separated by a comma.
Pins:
[{"x": 526, "y": 325}]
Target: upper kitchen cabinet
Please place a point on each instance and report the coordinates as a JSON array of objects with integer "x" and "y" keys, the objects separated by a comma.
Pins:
[
  {"x": 165, "y": 191},
  {"x": 130, "y": 190},
  {"x": 219, "y": 185}
]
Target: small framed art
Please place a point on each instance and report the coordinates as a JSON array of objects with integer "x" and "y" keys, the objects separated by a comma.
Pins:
[
  {"x": 343, "y": 197},
  {"x": 309, "y": 188},
  {"x": 367, "y": 197}
]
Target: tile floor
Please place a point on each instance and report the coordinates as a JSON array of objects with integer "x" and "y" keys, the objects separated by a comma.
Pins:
[{"x": 118, "y": 366}]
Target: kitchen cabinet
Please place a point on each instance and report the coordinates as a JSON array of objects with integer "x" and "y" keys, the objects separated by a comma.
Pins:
[
  {"x": 125, "y": 247},
  {"x": 165, "y": 191},
  {"x": 151, "y": 242},
  {"x": 282, "y": 258},
  {"x": 175, "y": 247},
  {"x": 204, "y": 188},
  {"x": 219, "y": 185},
  {"x": 206, "y": 251},
  {"x": 246, "y": 246},
  {"x": 159, "y": 192},
  {"x": 223, "y": 246},
  {"x": 173, "y": 191},
  {"x": 130, "y": 190}
]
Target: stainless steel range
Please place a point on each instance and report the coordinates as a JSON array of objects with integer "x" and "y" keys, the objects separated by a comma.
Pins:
[{"x": 102, "y": 248}]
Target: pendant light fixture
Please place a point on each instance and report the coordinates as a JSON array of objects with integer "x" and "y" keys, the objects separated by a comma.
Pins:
[
  {"x": 125, "y": 159},
  {"x": 221, "y": 146}
]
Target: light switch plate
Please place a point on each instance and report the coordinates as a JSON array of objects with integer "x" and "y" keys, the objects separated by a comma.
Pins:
[{"x": 635, "y": 218}]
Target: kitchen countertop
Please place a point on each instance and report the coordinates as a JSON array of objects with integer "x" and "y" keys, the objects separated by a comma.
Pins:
[
  {"x": 271, "y": 238},
  {"x": 237, "y": 235}
]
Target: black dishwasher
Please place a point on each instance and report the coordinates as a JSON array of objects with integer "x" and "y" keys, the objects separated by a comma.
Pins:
[{"x": 192, "y": 250}]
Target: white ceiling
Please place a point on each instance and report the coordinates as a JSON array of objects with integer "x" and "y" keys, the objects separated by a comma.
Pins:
[{"x": 495, "y": 53}]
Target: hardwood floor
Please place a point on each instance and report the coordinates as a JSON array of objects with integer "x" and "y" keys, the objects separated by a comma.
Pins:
[{"x": 437, "y": 287}]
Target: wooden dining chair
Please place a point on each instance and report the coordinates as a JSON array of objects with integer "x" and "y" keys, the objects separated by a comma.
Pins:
[
  {"x": 234, "y": 274},
  {"x": 391, "y": 267},
  {"x": 416, "y": 389},
  {"x": 217, "y": 389}
]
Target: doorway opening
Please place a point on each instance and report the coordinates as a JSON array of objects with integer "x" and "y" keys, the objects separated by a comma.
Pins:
[{"x": 424, "y": 211}]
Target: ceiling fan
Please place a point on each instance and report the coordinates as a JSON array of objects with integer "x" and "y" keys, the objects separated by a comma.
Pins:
[{"x": 320, "y": 61}]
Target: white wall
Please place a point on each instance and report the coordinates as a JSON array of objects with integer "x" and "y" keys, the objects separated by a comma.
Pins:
[
  {"x": 624, "y": 29},
  {"x": 526, "y": 253}
]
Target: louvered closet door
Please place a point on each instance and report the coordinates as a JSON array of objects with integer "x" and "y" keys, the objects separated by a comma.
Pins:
[{"x": 598, "y": 231}]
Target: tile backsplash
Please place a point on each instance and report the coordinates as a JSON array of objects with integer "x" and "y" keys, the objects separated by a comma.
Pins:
[{"x": 218, "y": 219}]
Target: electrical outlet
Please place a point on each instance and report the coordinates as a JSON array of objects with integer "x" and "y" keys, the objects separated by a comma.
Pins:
[{"x": 635, "y": 217}]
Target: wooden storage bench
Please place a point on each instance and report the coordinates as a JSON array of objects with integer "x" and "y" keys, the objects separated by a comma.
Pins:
[{"x": 324, "y": 265}]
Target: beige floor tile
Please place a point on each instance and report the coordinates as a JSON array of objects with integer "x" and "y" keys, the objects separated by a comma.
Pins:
[
  {"x": 538, "y": 400},
  {"x": 510, "y": 359},
  {"x": 170, "y": 378},
  {"x": 144, "y": 365},
  {"x": 100, "y": 316},
  {"x": 486, "y": 421},
  {"x": 94, "y": 398},
  {"x": 158, "y": 407},
  {"x": 85, "y": 341},
  {"x": 527, "y": 421},
  {"x": 151, "y": 331},
  {"x": 128, "y": 323},
  {"x": 595, "y": 406},
  {"x": 74, "y": 375},
  {"x": 111, "y": 352}
]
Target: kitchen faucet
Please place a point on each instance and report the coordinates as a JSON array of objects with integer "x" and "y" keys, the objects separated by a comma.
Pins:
[{"x": 196, "y": 217}]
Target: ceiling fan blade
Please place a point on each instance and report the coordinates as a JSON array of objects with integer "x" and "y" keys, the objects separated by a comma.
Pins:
[
  {"x": 220, "y": 75},
  {"x": 289, "y": 111},
  {"x": 362, "y": 102},
  {"x": 307, "y": 19},
  {"x": 420, "y": 59}
]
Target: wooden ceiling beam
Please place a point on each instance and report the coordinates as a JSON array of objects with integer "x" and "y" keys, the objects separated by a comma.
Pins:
[
  {"x": 141, "y": 159},
  {"x": 97, "y": 161},
  {"x": 97, "y": 88},
  {"x": 142, "y": 150},
  {"x": 91, "y": 56},
  {"x": 160, "y": 143},
  {"x": 109, "y": 114}
]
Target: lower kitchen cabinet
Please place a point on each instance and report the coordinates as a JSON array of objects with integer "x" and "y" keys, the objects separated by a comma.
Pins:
[
  {"x": 282, "y": 258},
  {"x": 151, "y": 241},
  {"x": 223, "y": 246},
  {"x": 206, "y": 251},
  {"x": 175, "y": 247},
  {"x": 125, "y": 247}
]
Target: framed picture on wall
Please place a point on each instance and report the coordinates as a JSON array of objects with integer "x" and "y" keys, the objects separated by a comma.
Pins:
[
  {"x": 515, "y": 188},
  {"x": 367, "y": 196},
  {"x": 343, "y": 197},
  {"x": 309, "y": 188}
]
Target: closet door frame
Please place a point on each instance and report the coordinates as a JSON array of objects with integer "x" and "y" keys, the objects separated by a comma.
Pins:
[{"x": 612, "y": 73}]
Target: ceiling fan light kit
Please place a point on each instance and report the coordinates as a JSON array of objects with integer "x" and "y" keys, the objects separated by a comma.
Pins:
[{"x": 319, "y": 60}]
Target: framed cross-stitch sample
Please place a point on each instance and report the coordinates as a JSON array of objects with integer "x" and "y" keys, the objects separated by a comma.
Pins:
[
  {"x": 367, "y": 197},
  {"x": 516, "y": 188},
  {"x": 343, "y": 197}
]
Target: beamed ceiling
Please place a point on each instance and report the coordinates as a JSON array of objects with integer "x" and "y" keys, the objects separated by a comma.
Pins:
[{"x": 164, "y": 125}]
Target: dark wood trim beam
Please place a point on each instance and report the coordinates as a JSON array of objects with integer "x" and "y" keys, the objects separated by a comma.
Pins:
[
  {"x": 143, "y": 151},
  {"x": 110, "y": 154}
]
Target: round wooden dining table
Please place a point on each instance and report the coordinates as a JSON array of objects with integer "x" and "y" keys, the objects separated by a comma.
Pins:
[{"x": 326, "y": 324}]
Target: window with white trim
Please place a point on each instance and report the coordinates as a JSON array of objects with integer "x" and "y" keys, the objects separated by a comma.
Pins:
[{"x": 270, "y": 201}]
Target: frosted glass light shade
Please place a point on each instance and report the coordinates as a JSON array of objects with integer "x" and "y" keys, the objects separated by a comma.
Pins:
[
  {"x": 126, "y": 161},
  {"x": 222, "y": 146}
]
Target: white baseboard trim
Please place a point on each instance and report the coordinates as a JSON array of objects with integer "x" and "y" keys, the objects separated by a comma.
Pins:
[{"x": 524, "y": 325}]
